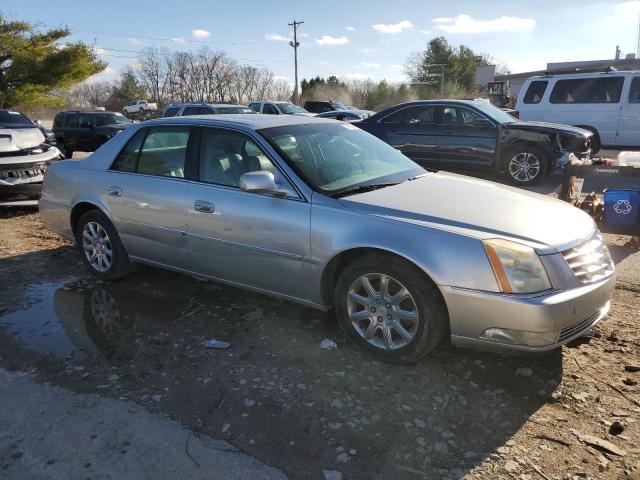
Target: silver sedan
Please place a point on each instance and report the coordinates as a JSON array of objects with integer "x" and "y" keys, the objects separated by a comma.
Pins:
[{"x": 322, "y": 213}]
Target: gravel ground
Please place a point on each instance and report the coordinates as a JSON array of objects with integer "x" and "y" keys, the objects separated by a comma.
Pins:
[{"x": 275, "y": 395}]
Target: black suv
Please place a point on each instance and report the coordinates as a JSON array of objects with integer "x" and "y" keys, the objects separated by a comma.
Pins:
[
  {"x": 86, "y": 131},
  {"x": 315, "y": 106}
]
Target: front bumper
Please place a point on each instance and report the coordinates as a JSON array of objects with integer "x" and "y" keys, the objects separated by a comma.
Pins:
[
  {"x": 23, "y": 174},
  {"x": 569, "y": 313}
]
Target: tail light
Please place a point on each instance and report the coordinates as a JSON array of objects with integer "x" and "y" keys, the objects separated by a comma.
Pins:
[{"x": 516, "y": 114}]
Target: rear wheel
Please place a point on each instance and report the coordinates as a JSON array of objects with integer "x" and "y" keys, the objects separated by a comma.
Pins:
[
  {"x": 100, "y": 246},
  {"x": 388, "y": 307},
  {"x": 525, "y": 165},
  {"x": 64, "y": 149}
]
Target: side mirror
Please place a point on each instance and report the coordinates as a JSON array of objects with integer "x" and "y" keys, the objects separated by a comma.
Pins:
[{"x": 260, "y": 182}]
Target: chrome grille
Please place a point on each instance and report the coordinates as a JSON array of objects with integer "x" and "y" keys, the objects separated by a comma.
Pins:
[{"x": 590, "y": 261}]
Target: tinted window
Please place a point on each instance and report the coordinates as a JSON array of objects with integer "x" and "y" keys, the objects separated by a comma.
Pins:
[
  {"x": 470, "y": 118},
  {"x": 419, "y": 114},
  {"x": 255, "y": 107},
  {"x": 587, "y": 90},
  {"x": 535, "y": 91},
  {"x": 191, "y": 111},
  {"x": 126, "y": 161},
  {"x": 225, "y": 156},
  {"x": 634, "y": 91},
  {"x": 230, "y": 110},
  {"x": 59, "y": 120},
  {"x": 269, "y": 109},
  {"x": 84, "y": 121},
  {"x": 395, "y": 117},
  {"x": 171, "y": 112},
  {"x": 164, "y": 152},
  {"x": 206, "y": 111},
  {"x": 8, "y": 117},
  {"x": 110, "y": 119},
  {"x": 71, "y": 120}
]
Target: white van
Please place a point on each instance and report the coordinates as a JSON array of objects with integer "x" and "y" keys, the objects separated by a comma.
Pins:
[{"x": 606, "y": 103}]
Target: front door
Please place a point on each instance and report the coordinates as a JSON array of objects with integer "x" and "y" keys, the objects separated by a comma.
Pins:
[
  {"x": 145, "y": 193},
  {"x": 466, "y": 138},
  {"x": 86, "y": 135},
  {"x": 629, "y": 120},
  {"x": 250, "y": 239},
  {"x": 413, "y": 131}
]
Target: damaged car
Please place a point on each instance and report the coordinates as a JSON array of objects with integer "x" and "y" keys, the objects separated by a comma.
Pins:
[
  {"x": 473, "y": 134},
  {"x": 24, "y": 155}
]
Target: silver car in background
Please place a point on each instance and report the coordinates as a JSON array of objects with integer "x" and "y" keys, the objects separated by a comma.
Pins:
[{"x": 322, "y": 213}]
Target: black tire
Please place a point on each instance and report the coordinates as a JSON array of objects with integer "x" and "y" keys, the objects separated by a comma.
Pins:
[
  {"x": 64, "y": 149},
  {"x": 432, "y": 316},
  {"x": 596, "y": 145},
  {"x": 531, "y": 155},
  {"x": 120, "y": 265}
]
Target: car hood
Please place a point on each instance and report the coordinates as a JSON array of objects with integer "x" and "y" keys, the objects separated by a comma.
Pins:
[
  {"x": 478, "y": 208},
  {"x": 15, "y": 139},
  {"x": 550, "y": 128}
]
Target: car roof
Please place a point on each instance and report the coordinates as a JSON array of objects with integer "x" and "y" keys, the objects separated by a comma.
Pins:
[
  {"x": 552, "y": 75},
  {"x": 252, "y": 122},
  {"x": 202, "y": 104}
]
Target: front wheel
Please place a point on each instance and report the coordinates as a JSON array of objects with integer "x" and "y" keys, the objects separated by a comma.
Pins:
[
  {"x": 100, "y": 246},
  {"x": 389, "y": 308},
  {"x": 525, "y": 165}
]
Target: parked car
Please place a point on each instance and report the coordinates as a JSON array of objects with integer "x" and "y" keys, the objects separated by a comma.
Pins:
[
  {"x": 49, "y": 136},
  {"x": 473, "y": 134},
  {"x": 347, "y": 115},
  {"x": 271, "y": 107},
  {"x": 139, "y": 106},
  {"x": 320, "y": 212},
  {"x": 24, "y": 155},
  {"x": 607, "y": 104},
  {"x": 186, "y": 109},
  {"x": 316, "y": 106},
  {"x": 86, "y": 131}
]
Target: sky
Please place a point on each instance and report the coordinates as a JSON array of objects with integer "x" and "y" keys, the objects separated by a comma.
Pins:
[{"x": 348, "y": 38}]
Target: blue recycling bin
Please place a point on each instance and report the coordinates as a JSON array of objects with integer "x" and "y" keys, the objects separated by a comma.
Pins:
[{"x": 620, "y": 213}]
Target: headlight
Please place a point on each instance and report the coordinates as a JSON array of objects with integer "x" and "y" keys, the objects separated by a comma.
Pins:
[{"x": 517, "y": 267}]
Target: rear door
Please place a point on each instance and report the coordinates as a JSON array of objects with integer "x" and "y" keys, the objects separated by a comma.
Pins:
[
  {"x": 629, "y": 122},
  {"x": 86, "y": 133},
  {"x": 270, "y": 109},
  {"x": 465, "y": 137},
  {"x": 413, "y": 131},
  {"x": 145, "y": 193},
  {"x": 71, "y": 130}
]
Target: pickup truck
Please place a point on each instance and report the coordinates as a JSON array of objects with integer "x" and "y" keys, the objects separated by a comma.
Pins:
[{"x": 138, "y": 106}]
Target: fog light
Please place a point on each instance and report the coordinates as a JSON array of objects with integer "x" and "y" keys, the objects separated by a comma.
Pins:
[{"x": 519, "y": 337}]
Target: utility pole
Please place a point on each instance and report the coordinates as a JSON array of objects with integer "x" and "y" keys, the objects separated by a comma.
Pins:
[{"x": 295, "y": 44}]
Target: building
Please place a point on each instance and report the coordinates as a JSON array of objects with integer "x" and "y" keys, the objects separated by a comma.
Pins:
[{"x": 516, "y": 80}]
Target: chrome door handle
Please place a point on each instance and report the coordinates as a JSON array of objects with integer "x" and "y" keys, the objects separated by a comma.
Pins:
[
  {"x": 115, "y": 191},
  {"x": 204, "y": 207}
]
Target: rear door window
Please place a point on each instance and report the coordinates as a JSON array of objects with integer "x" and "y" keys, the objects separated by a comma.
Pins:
[
  {"x": 84, "y": 121},
  {"x": 255, "y": 107},
  {"x": 126, "y": 161},
  {"x": 587, "y": 90},
  {"x": 71, "y": 120},
  {"x": 58, "y": 122},
  {"x": 535, "y": 92},
  {"x": 269, "y": 109},
  {"x": 164, "y": 152},
  {"x": 634, "y": 90},
  {"x": 171, "y": 112},
  {"x": 191, "y": 111}
]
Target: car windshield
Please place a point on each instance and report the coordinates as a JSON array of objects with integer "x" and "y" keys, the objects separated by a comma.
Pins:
[
  {"x": 494, "y": 112},
  {"x": 111, "y": 119},
  {"x": 234, "y": 110},
  {"x": 10, "y": 118},
  {"x": 290, "y": 108},
  {"x": 337, "y": 158}
]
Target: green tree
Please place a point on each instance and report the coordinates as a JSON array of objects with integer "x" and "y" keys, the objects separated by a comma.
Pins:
[
  {"x": 459, "y": 65},
  {"x": 129, "y": 88},
  {"x": 33, "y": 64}
]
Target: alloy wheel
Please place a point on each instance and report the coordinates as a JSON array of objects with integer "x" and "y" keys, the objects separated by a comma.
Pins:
[
  {"x": 524, "y": 167},
  {"x": 382, "y": 311},
  {"x": 97, "y": 246}
]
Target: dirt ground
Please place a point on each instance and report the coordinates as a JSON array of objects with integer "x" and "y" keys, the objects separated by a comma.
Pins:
[{"x": 274, "y": 394}]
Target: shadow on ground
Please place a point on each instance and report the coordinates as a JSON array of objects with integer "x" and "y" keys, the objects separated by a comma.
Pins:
[{"x": 274, "y": 392}]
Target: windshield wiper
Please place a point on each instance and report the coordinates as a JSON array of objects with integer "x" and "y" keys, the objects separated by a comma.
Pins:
[{"x": 364, "y": 188}]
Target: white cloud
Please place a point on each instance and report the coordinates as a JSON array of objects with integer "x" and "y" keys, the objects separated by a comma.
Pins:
[
  {"x": 329, "y": 40},
  {"x": 426, "y": 32},
  {"x": 467, "y": 24},
  {"x": 393, "y": 27},
  {"x": 280, "y": 77},
  {"x": 323, "y": 63},
  {"x": 397, "y": 67},
  {"x": 200, "y": 33},
  {"x": 134, "y": 41},
  {"x": 106, "y": 74},
  {"x": 98, "y": 51},
  {"x": 276, "y": 37},
  {"x": 355, "y": 76},
  {"x": 366, "y": 50},
  {"x": 303, "y": 35},
  {"x": 351, "y": 29},
  {"x": 370, "y": 65},
  {"x": 179, "y": 40}
]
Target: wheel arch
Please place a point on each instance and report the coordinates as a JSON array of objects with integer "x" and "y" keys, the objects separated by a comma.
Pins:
[
  {"x": 82, "y": 207},
  {"x": 339, "y": 261}
]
